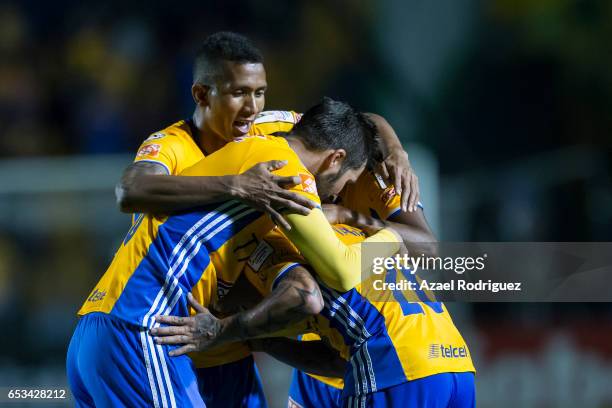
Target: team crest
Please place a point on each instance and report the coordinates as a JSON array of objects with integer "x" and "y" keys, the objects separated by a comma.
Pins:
[
  {"x": 308, "y": 183},
  {"x": 151, "y": 150},
  {"x": 388, "y": 194}
]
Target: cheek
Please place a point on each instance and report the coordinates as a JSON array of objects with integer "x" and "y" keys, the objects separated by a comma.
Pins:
[
  {"x": 261, "y": 102},
  {"x": 226, "y": 105},
  {"x": 343, "y": 181},
  {"x": 232, "y": 107}
]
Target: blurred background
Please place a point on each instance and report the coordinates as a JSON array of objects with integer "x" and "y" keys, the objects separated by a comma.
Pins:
[{"x": 504, "y": 107}]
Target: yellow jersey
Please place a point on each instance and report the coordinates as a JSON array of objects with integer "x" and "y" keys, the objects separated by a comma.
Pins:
[
  {"x": 388, "y": 338},
  {"x": 371, "y": 195},
  {"x": 177, "y": 146},
  {"x": 162, "y": 258}
]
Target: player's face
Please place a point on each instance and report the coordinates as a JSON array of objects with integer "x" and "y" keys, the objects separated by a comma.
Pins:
[
  {"x": 236, "y": 99},
  {"x": 330, "y": 183}
]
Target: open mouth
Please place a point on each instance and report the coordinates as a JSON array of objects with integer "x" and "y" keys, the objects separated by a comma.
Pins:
[{"x": 242, "y": 126}]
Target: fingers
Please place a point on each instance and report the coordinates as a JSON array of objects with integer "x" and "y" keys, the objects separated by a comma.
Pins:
[
  {"x": 404, "y": 199},
  {"x": 286, "y": 182},
  {"x": 290, "y": 205},
  {"x": 194, "y": 303},
  {"x": 398, "y": 181},
  {"x": 278, "y": 219},
  {"x": 383, "y": 170},
  {"x": 297, "y": 199},
  {"x": 174, "y": 320},
  {"x": 274, "y": 164},
  {"x": 405, "y": 190},
  {"x": 414, "y": 192},
  {"x": 179, "y": 339},
  {"x": 170, "y": 330},
  {"x": 182, "y": 350}
]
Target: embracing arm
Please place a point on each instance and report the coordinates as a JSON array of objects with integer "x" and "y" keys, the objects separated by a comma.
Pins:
[
  {"x": 296, "y": 297},
  {"x": 338, "y": 265},
  {"x": 146, "y": 187},
  {"x": 314, "y": 357},
  {"x": 411, "y": 226},
  {"x": 396, "y": 165}
]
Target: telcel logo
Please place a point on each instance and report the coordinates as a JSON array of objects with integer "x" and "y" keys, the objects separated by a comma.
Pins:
[{"x": 446, "y": 351}]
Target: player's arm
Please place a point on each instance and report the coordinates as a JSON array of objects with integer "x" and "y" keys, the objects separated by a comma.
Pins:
[
  {"x": 243, "y": 295},
  {"x": 337, "y": 264},
  {"x": 314, "y": 357},
  {"x": 411, "y": 226},
  {"x": 295, "y": 297},
  {"x": 146, "y": 187},
  {"x": 396, "y": 165}
]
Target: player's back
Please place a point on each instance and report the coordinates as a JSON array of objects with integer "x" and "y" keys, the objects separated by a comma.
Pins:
[
  {"x": 389, "y": 336},
  {"x": 163, "y": 258},
  {"x": 392, "y": 341}
]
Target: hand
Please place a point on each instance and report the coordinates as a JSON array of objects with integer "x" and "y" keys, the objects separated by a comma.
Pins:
[
  {"x": 397, "y": 168},
  {"x": 262, "y": 190},
  {"x": 195, "y": 333}
]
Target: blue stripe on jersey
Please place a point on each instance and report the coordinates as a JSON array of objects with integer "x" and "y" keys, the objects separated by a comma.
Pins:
[
  {"x": 374, "y": 363},
  {"x": 285, "y": 269},
  {"x": 394, "y": 213},
  {"x": 228, "y": 229},
  {"x": 176, "y": 259}
]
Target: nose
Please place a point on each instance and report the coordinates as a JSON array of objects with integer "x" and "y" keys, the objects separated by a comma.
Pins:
[{"x": 250, "y": 105}]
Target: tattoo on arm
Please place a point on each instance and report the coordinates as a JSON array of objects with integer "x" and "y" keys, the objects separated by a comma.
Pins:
[{"x": 295, "y": 298}]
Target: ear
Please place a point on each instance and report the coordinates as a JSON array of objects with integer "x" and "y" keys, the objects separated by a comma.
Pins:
[
  {"x": 199, "y": 92},
  {"x": 335, "y": 158}
]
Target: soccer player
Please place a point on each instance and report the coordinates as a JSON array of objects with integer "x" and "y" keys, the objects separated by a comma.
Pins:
[
  {"x": 112, "y": 359},
  {"x": 229, "y": 92},
  {"x": 403, "y": 350}
]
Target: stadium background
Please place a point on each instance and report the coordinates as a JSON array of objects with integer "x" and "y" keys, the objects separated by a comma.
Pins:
[{"x": 504, "y": 106}]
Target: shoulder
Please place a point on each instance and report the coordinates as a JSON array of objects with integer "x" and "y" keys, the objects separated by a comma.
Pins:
[
  {"x": 261, "y": 143},
  {"x": 278, "y": 116},
  {"x": 178, "y": 132}
]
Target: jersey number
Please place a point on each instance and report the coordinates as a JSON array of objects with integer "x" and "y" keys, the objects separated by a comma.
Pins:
[{"x": 410, "y": 308}]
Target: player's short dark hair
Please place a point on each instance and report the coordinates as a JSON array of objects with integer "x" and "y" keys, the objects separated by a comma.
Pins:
[
  {"x": 333, "y": 124},
  {"x": 219, "y": 47}
]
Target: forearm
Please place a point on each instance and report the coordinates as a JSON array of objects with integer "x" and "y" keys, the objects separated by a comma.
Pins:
[
  {"x": 296, "y": 298},
  {"x": 313, "y": 357},
  {"x": 337, "y": 264},
  {"x": 170, "y": 194},
  {"x": 411, "y": 234},
  {"x": 388, "y": 136},
  {"x": 413, "y": 228}
]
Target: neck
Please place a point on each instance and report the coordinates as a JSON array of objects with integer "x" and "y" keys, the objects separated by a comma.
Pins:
[
  {"x": 310, "y": 159},
  {"x": 206, "y": 139}
]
